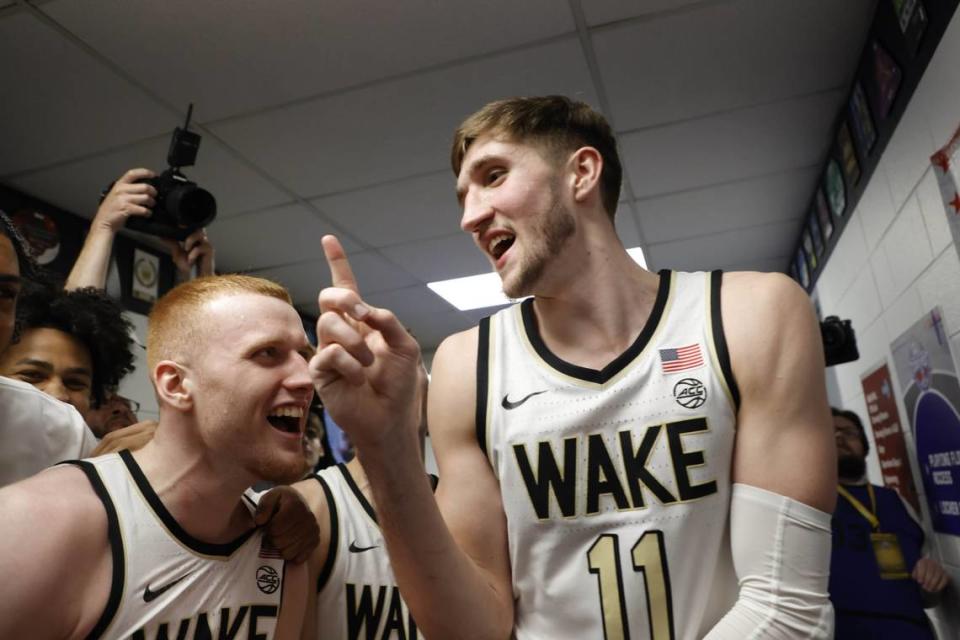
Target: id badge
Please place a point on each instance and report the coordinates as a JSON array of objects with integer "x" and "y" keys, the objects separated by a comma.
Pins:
[{"x": 889, "y": 556}]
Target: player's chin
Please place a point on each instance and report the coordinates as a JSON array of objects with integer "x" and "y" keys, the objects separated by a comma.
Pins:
[{"x": 283, "y": 467}]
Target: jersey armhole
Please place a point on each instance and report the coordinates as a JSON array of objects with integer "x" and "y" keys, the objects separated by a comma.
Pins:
[
  {"x": 483, "y": 372},
  {"x": 327, "y": 568},
  {"x": 720, "y": 341},
  {"x": 116, "y": 549}
]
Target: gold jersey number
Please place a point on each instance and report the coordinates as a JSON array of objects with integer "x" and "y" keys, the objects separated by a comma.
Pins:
[{"x": 649, "y": 558}]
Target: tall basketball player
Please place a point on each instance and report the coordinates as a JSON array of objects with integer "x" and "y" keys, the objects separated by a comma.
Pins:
[{"x": 618, "y": 451}]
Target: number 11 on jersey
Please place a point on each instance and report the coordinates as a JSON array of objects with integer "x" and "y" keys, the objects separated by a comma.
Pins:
[{"x": 649, "y": 558}]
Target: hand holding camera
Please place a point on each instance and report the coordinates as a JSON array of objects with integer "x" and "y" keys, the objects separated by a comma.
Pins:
[
  {"x": 195, "y": 250},
  {"x": 130, "y": 195},
  {"x": 179, "y": 206}
]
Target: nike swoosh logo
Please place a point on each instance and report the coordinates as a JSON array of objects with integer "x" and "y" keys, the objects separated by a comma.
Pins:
[
  {"x": 355, "y": 549},
  {"x": 506, "y": 404},
  {"x": 150, "y": 596}
]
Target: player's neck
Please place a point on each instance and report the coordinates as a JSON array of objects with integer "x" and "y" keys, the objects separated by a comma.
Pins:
[
  {"x": 204, "y": 500},
  {"x": 596, "y": 307}
]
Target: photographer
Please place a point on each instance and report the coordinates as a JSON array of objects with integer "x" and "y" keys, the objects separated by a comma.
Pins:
[{"x": 131, "y": 196}]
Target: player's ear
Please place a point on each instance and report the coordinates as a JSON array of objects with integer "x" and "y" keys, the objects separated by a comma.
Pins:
[
  {"x": 174, "y": 385},
  {"x": 586, "y": 164}
]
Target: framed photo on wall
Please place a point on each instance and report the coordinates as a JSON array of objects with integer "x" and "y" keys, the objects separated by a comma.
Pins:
[
  {"x": 851, "y": 168},
  {"x": 836, "y": 191},
  {"x": 808, "y": 250},
  {"x": 814, "y": 226},
  {"x": 145, "y": 274},
  {"x": 862, "y": 121},
  {"x": 886, "y": 78},
  {"x": 912, "y": 18},
  {"x": 801, "y": 265},
  {"x": 823, "y": 214}
]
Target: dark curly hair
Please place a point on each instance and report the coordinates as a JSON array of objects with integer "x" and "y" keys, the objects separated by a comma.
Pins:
[
  {"x": 28, "y": 267},
  {"x": 91, "y": 317}
]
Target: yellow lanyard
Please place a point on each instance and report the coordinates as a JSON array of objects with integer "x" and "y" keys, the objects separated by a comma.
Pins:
[{"x": 869, "y": 514}]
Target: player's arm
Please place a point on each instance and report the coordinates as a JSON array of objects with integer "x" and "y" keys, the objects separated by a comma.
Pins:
[
  {"x": 784, "y": 465},
  {"x": 128, "y": 196},
  {"x": 316, "y": 500},
  {"x": 366, "y": 370},
  {"x": 452, "y": 560},
  {"x": 293, "y": 606},
  {"x": 51, "y": 521}
]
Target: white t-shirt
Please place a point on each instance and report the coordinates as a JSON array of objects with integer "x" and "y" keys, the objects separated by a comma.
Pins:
[{"x": 37, "y": 431}]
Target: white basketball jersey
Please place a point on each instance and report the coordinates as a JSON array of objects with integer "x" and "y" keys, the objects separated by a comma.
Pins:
[
  {"x": 615, "y": 483},
  {"x": 357, "y": 595},
  {"x": 168, "y": 584}
]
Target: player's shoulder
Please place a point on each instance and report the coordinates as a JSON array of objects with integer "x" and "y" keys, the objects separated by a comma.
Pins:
[
  {"x": 761, "y": 289},
  {"x": 459, "y": 345},
  {"x": 59, "y": 503}
]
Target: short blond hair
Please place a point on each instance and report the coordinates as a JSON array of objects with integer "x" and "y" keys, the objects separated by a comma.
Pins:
[
  {"x": 173, "y": 321},
  {"x": 556, "y": 123}
]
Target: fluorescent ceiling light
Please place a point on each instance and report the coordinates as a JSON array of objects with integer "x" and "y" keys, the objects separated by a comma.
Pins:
[
  {"x": 471, "y": 292},
  {"x": 637, "y": 254},
  {"x": 486, "y": 290}
]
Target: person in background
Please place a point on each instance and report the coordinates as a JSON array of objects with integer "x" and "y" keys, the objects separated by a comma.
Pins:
[
  {"x": 880, "y": 579},
  {"x": 131, "y": 196},
  {"x": 73, "y": 345},
  {"x": 116, "y": 412},
  {"x": 36, "y": 430},
  {"x": 159, "y": 541}
]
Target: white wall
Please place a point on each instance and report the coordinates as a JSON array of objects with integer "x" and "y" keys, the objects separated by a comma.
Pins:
[
  {"x": 136, "y": 385},
  {"x": 896, "y": 260}
]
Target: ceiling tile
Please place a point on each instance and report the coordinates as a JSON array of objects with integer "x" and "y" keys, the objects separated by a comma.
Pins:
[
  {"x": 410, "y": 303},
  {"x": 59, "y": 103},
  {"x": 783, "y": 196},
  {"x": 305, "y": 279},
  {"x": 599, "y": 12},
  {"x": 397, "y": 212},
  {"x": 627, "y": 228},
  {"x": 754, "y": 245},
  {"x": 731, "y": 146},
  {"x": 76, "y": 186},
  {"x": 677, "y": 67},
  {"x": 396, "y": 129},
  {"x": 232, "y": 57},
  {"x": 430, "y": 330},
  {"x": 281, "y": 235},
  {"x": 452, "y": 256}
]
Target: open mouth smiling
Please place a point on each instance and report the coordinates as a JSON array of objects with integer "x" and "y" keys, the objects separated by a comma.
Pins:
[{"x": 286, "y": 419}]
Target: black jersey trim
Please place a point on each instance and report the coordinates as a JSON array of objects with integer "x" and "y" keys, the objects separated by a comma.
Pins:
[
  {"x": 719, "y": 339},
  {"x": 327, "y": 568},
  {"x": 621, "y": 361},
  {"x": 199, "y": 546},
  {"x": 116, "y": 549},
  {"x": 483, "y": 381},
  {"x": 362, "y": 499}
]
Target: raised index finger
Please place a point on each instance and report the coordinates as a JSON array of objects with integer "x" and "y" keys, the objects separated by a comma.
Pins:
[{"x": 340, "y": 271}]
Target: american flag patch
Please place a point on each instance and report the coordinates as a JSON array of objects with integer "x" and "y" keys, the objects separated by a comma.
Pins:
[
  {"x": 681, "y": 358},
  {"x": 267, "y": 550}
]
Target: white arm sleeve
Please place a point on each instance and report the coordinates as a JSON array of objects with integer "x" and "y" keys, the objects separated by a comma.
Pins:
[{"x": 781, "y": 553}]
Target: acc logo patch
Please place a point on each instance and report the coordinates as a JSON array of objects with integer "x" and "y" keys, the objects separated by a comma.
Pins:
[
  {"x": 268, "y": 580},
  {"x": 690, "y": 393}
]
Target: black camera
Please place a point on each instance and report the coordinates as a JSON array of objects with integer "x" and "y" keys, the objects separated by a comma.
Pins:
[
  {"x": 839, "y": 341},
  {"x": 181, "y": 206}
]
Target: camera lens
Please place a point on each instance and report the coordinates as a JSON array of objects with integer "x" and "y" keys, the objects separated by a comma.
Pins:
[{"x": 192, "y": 207}]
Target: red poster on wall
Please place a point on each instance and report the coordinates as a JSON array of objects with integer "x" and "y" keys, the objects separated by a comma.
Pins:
[{"x": 888, "y": 435}]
